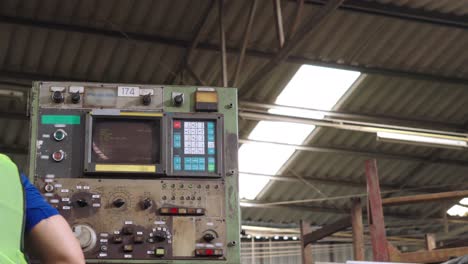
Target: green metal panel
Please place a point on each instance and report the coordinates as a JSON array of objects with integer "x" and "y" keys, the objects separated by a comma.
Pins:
[{"x": 227, "y": 107}]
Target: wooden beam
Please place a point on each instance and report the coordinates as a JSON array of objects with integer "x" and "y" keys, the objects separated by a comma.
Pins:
[
  {"x": 430, "y": 197},
  {"x": 306, "y": 251},
  {"x": 430, "y": 241},
  {"x": 375, "y": 214},
  {"x": 433, "y": 256},
  {"x": 358, "y": 229},
  {"x": 326, "y": 230}
]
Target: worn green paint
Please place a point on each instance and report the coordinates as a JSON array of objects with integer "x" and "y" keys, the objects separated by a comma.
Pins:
[
  {"x": 227, "y": 107},
  {"x": 60, "y": 119}
]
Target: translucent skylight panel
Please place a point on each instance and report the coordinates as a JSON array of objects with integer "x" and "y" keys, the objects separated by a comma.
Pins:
[
  {"x": 281, "y": 132},
  {"x": 458, "y": 210},
  {"x": 317, "y": 87},
  {"x": 311, "y": 87},
  {"x": 260, "y": 158}
]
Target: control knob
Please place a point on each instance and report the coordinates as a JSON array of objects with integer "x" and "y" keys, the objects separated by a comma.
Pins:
[
  {"x": 57, "y": 97},
  {"x": 146, "y": 99},
  {"x": 146, "y": 203},
  {"x": 75, "y": 97},
  {"x": 86, "y": 236},
  {"x": 119, "y": 202},
  {"x": 160, "y": 236},
  {"x": 208, "y": 237},
  {"x": 179, "y": 99},
  {"x": 81, "y": 203}
]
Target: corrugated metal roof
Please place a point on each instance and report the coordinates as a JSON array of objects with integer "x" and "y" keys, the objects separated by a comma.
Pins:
[{"x": 346, "y": 38}]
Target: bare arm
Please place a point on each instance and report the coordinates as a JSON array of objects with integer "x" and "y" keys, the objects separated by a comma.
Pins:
[{"x": 53, "y": 242}]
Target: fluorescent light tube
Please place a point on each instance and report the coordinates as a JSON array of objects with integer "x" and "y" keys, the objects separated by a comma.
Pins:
[{"x": 421, "y": 140}]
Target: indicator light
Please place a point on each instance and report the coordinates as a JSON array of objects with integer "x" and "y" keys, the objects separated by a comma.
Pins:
[
  {"x": 59, "y": 135},
  {"x": 177, "y": 124},
  {"x": 58, "y": 155}
]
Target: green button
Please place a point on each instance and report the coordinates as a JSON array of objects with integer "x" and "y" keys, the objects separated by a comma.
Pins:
[
  {"x": 159, "y": 252},
  {"x": 211, "y": 167}
]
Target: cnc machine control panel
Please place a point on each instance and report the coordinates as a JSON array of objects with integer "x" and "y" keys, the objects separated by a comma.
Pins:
[{"x": 140, "y": 172}]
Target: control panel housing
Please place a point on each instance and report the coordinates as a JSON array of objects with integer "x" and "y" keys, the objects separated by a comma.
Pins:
[{"x": 142, "y": 173}]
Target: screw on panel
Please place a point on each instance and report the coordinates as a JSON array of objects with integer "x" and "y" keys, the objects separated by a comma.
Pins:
[{"x": 232, "y": 244}]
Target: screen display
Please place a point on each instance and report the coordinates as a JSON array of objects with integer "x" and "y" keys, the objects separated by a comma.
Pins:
[{"x": 126, "y": 141}]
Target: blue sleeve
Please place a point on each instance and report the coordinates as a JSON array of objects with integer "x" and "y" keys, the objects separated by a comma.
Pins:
[{"x": 37, "y": 208}]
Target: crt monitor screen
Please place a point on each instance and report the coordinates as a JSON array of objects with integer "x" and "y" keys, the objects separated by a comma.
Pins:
[{"x": 126, "y": 141}]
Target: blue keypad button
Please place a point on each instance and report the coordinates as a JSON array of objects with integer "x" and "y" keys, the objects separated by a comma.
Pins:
[
  {"x": 211, "y": 160},
  {"x": 177, "y": 163},
  {"x": 177, "y": 140},
  {"x": 194, "y": 161},
  {"x": 201, "y": 164},
  {"x": 210, "y": 125},
  {"x": 211, "y": 138},
  {"x": 187, "y": 163},
  {"x": 211, "y": 151},
  {"x": 195, "y": 167},
  {"x": 210, "y": 131}
]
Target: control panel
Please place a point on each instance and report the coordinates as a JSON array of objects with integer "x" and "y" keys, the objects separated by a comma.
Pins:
[{"x": 140, "y": 172}]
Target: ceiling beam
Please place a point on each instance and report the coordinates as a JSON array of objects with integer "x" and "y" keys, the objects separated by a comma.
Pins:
[
  {"x": 311, "y": 26},
  {"x": 420, "y": 15},
  {"x": 343, "y": 210},
  {"x": 363, "y": 153},
  {"x": 355, "y": 184},
  {"x": 184, "y": 44},
  {"x": 188, "y": 53},
  {"x": 262, "y": 108}
]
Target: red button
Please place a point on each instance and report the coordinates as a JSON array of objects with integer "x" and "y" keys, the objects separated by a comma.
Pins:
[
  {"x": 209, "y": 252},
  {"x": 177, "y": 124},
  {"x": 174, "y": 211}
]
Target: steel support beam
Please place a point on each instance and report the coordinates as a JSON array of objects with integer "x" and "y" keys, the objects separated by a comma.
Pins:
[
  {"x": 347, "y": 183},
  {"x": 279, "y": 22},
  {"x": 362, "y": 153},
  {"x": 375, "y": 214},
  {"x": 245, "y": 41},
  {"x": 262, "y": 108},
  {"x": 401, "y": 12},
  {"x": 222, "y": 44},
  {"x": 310, "y": 27},
  {"x": 156, "y": 39},
  {"x": 184, "y": 63}
]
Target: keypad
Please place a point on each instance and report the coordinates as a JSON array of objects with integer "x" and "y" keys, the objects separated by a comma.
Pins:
[{"x": 194, "y": 145}]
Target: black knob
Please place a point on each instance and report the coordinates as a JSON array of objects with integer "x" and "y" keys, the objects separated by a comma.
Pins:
[
  {"x": 160, "y": 236},
  {"x": 57, "y": 97},
  {"x": 127, "y": 230},
  {"x": 146, "y": 203},
  {"x": 75, "y": 98},
  {"x": 147, "y": 99},
  {"x": 208, "y": 237},
  {"x": 179, "y": 99},
  {"x": 81, "y": 203},
  {"x": 119, "y": 202}
]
